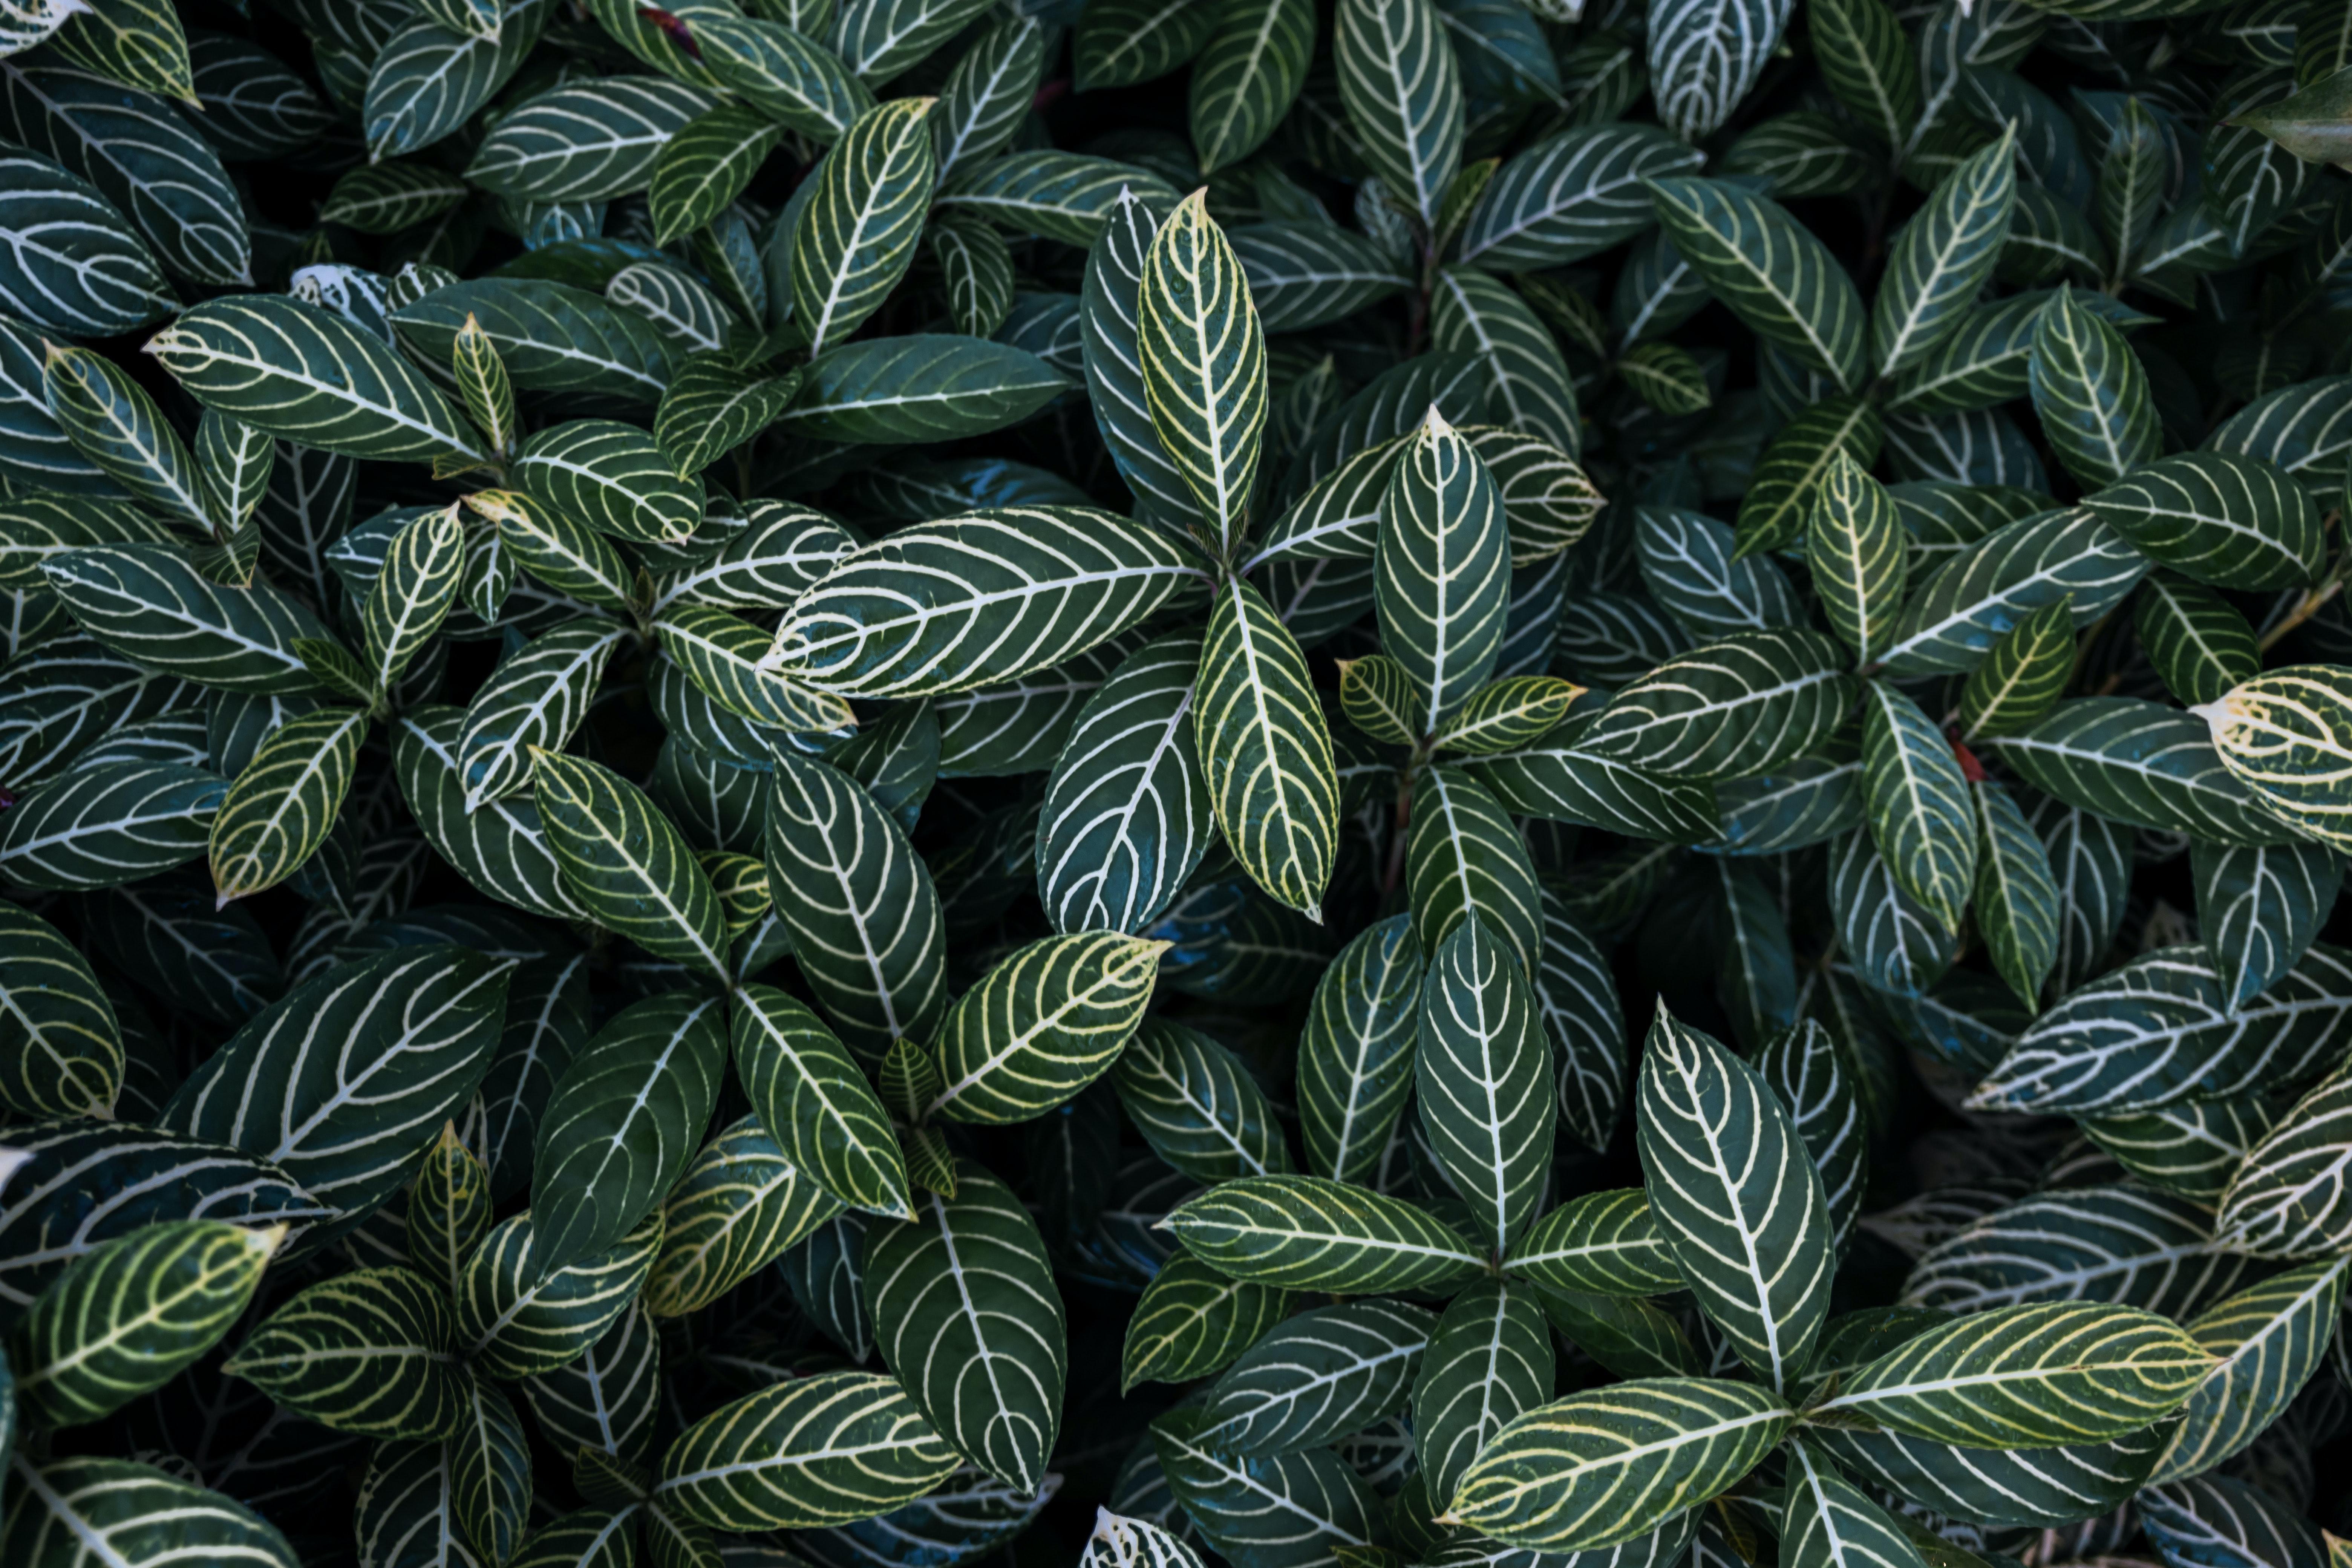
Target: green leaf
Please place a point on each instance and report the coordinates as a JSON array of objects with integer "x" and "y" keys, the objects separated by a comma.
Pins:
[
  {"x": 1003, "y": 592},
  {"x": 1291, "y": 1510},
  {"x": 2230, "y": 520},
  {"x": 1265, "y": 750},
  {"x": 1611, "y": 1464},
  {"x": 384, "y": 199},
  {"x": 706, "y": 165},
  {"x": 1667, "y": 378},
  {"x": 855, "y": 236},
  {"x": 804, "y": 1454},
  {"x": 1869, "y": 65},
  {"x": 791, "y": 78},
  {"x": 2091, "y": 394},
  {"x": 1694, "y": 574},
  {"x": 517, "y": 1320},
  {"x": 412, "y": 594},
  {"x": 880, "y": 39},
  {"x": 1558, "y": 781},
  {"x": 627, "y": 1113},
  {"x": 1196, "y": 1104},
  {"x": 1127, "y": 814},
  {"x": 1918, "y": 801},
  {"x": 2190, "y": 1147},
  {"x": 489, "y": 1464},
  {"x": 865, "y": 918},
  {"x": 1482, "y": 1071},
  {"x": 783, "y": 549},
  {"x": 1245, "y": 78},
  {"x": 1942, "y": 258},
  {"x": 2023, "y": 674},
  {"x": 615, "y": 478},
  {"x": 1734, "y": 1193},
  {"x": 110, "y": 419},
  {"x": 1110, "y": 316},
  {"x": 588, "y": 142},
  {"x": 2017, "y": 905},
  {"x": 2025, "y": 1377},
  {"x": 427, "y": 81},
  {"x": 1068, "y": 196},
  {"x": 1788, "y": 478},
  {"x": 2199, "y": 643},
  {"x": 1506, "y": 714},
  {"x": 60, "y": 1045},
  {"x": 2282, "y": 736},
  {"x": 1316, "y": 1377},
  {"x": 1858, "y": 549},
  {"x": 1737, "y": 707},
  {"x": 551, "y": 336},
  {"x": 1988, "y": 588},
  {"x": 304, "y": 374},
  {"x": 711, "y": 408},
  {"x": 534, "y": 700},
  {"x": 2142, "y": 764},
  {"x": 1120, "y": 1542},
  {"x": 1355, "y": 1054},
  {"x": 816, "y": 1103},
  {"x": 626, "y": 863},
  {"x": 720, "y": 654},
  {"x": 1463, "y": 856},
  {"x": 1402, "y": 93},
  {"x": 371, "y": 1352},
  {"x": 133, "y": 1514},
  {"x": 82, "y": 270},
  {"x": 1768, "y": 270},
  {"x": 978, "y": 269},
  {"x": 989, "y": 92},
  {"x": 149, "y": 603},
  {"x": 2045, "y": 1488},
  {"x": 2258, "y": 911},
  {"x": 2132, "y": 179},
  {"x": 130, "y": 1314},
  {"x": 1203, "y": 358},
  {"x": 1530, "y": 391},
  {"x": 2123, "y": 1244},
  {"x": 279, "y": 812},
  {"x": 1826, "y": 1518},
  {"x": 1308, "y": 1232},
  {"x": 1489, "y": 1361},
  {"x": 1602, "y": 1243},
  {"x": 448, "y": 1209},
  {"x": 2285, "y": 1200},
  {"x": 1704, "y": 56},
  {"x": 605, "y": 1399},
  {"x": 1573, "y": 195},
  {"x": 1004, "y": 1323},
  {"x": 740, "y": 1205},
  {"x": 2271, "y": 1340},
  {"x": 1444, "y": 567},
  {"x": 1117, "y": 43},
  {"x": 1192, "y": 1321},
  {"x": 1041, "y": 1025}
]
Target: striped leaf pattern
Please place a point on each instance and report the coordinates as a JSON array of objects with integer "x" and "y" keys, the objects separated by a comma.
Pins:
[
  {"x": 1316, "y": 1377},
  {"x": 279, "y": 812},
  {"x": 1041, "y": 1025},
  {"x": 804, "y": 1454},
  {"x": 626, "y": 863},
  {"x": 1265, "y": 750},
  {"x": 855, "y": 238},
  {"x": 516, "y": 1319},
  {"x": 1310, "y": 1233},
  {"x": 1292, "y": 1507},
  {"x": 1402, "y": 88},
  {"x": 1203, "y": 359},
  {"x": 1192, "y": 1321},
  {"x": 1768, "y": 270},
  {"x": 1444, "y": 559},
  {"x": 1481, "y": 1070},
  {"x": 815, "y": 1103},
  {"x": 373, "y": 1352},
  {"x": 1355, "y": 1054},
  {"x": 1489, "y": 1361},
  {"x": 1196, "y": 1104}
]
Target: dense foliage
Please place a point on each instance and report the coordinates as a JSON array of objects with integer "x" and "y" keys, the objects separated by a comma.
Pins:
[{"x": 758, "y": 811}]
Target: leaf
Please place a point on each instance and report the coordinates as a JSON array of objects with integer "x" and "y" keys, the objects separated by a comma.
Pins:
[
  {"x": 1308, "y": 1233},
  {"x": 350, "y": 1076},
  {"x": 1464, "y": 857},
  {"x": 1120, "y": 1542},
  {"x": 1001, "y": 1331},
  {"x": 81, "y": 270},
  {"x": 533, "y": 701},
  {"x": 2042, "y": 1487},
  {"x": 1484, "y": 1089},
  {"x": 991, "y": 88},
  {"x": 128, "y": 1315},
  {"x": 2019, "y": 909},
  {"x": 449, "y": 1208},
  {"x": 149, "y": 603},
  {"x": 2218, "y": 1514},
  {"x": 1041, "y": 1025},
  {"x": 710, "y": 408},
  {"x": 1355, "y": 1053},
  {"x": 706, "y": 165},
  {"x": 856, "y": 236},
  {"x": 60, "y": 1043},
  {"x": 2197, "y": 642},
  {"x": 1859, "y": 554},
  {"x": 1870, "y": 66},
  {"x": 1611, "y": 1464},
  {"x": 1489, "y": 1361},
  {"x": 1009, "y": 590},
  {"x": 1267, "y": 750},
  {"x": 427, "y": 81},
  {"x": 1768, "y": 271},
  {"x": 792, "y": 79},
  {"x": 1735, "y": 709},
  {"x": 1826, "y": 1518},
  {"x": 720, "y": 654},
  {"x": 1736, "y": 1197},
  {"x": 551, "y": 336},
  {"x": 1288, "y": 1511},
  {"x": 627, "y": 1113},
  {"x": 2023, "y": 674},
  {"x": 804, "y": 1454},
  {"x": 114, "y": 424},
  {"x": 1573, "y": 195},
  {"x": 2230, "y": 520},
  {"x": 1402, "y": 93},
  {"x": 278, "y": 811},
  {"x": 134, "y": 1513},
  {"x": 1530, "y": 390},
  {"x": 866, "y": 921},
  {"x": 1796, "y": 462},
  {"x": 626, "y": 863},
  {"x": 2142, "y": 764},
  {"x": 2270, "y": 1340},
  {"x": 1192, "y": 1321},
  {"x": 1117, "y": 43},
  {"x": 740, "y": 1205},
  {"x": 2091, "y": 394},
  {"x": 605, "y": 1398},
  {"x": 816, "y": 1104},
  {"x": 516, "y": 1319},
  {"x": 1508, "y": 713},
  {"x": 1602, "y": 1243},
  {"x": 370, "y": 1352},
  {"x": 1943, "y": 256},
  {"x": 880, "y": 39},
  {"x": 2280, "y": 736},
  {"x": 2258, "y": 911},
  {"x": 2121, "y": 1244},
  {"x": 304, "y": 374},
  {"x": 611, "y": 476},
  {"x": 1196, "y": 1104},
  {"x": 1203, "y": 359},
  {"x": 1917, "y": 799},
  {"x": 1990, "y": 588},
  {"x": 1704, "y": 56},
  {"x": 1318, "y": 1376},
  {"x": 1444, "y": 567},
  {"x": 489, "y": 1463},
  {"x": 587, "y": 142}
]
